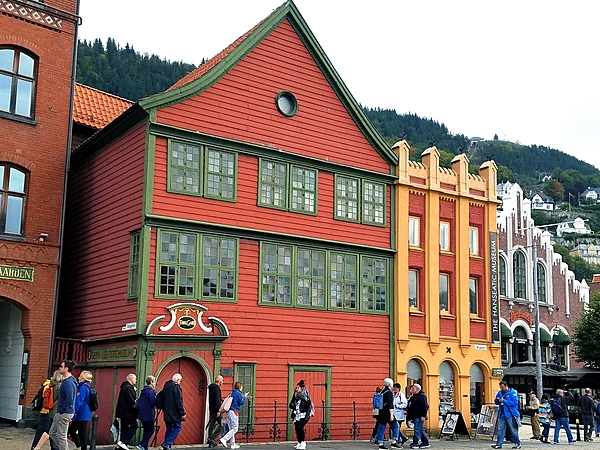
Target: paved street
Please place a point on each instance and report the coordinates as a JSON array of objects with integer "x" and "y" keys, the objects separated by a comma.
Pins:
[{"x": 12, "y": 438}]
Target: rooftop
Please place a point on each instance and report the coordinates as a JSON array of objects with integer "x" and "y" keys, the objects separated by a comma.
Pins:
[{"x": 95, "y": 108}]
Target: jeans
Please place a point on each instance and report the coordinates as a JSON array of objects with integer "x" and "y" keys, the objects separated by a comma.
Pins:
[
  {"x": 546, "y": 431},
  {"x": 148, "y": 432},
  {"x": 399, "y": 435},
  {"x": 588, "y": 425},
  {"x": 43, "y": 427},
  {"x": 597, "y": 425},
  {"x": 419, "y": 429},
  {"x": 172, "y": 431},
  {"x": 562, "y": 422},
  {"x": 381, "y": 431},
  {"x": 59, "y": 429},
  {"x": 232, "y": 424},
  {"x": 504, "y": 423}
]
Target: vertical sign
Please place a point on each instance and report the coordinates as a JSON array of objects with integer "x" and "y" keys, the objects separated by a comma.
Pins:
[{"x": 494, "y": 299}]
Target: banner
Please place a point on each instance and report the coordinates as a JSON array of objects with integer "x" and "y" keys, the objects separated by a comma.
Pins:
[{"x": 494, "y": 297}]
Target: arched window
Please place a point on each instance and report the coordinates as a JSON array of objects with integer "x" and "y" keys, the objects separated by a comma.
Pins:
[
  {"x": 519, "y": 274},
  {"x": 541, "y": 282},
  {"x": 502, "y": 277},
  {"x": 521, "y": 345},
  {"x": 18, "y": 72},
  {"x": 13, "y": 194}
]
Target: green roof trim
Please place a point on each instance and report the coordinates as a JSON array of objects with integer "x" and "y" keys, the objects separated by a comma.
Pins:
[
  {"x": 506, "y": 333},
  {"x": 287, "y": 11},
  {"x": 562, "y": 338},
  {"x": 545, "y": 336}
]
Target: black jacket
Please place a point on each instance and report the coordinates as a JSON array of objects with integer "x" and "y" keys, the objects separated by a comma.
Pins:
[
  {"x": 126, "y": 402},
  {"x": 417, "y": 406},
  {"x": 586, "y": 405},
  {"x": 173, "y": 410},
  {"x": 388, "y": 403},
  {"x": 214, "y": 397}
]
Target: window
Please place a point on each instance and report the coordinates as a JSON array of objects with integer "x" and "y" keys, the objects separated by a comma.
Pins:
[
  {"x": 288, "y": 187},
  {"x": 13, "y": 195},
  {"x": 502, "y": 276},
  {"x": 347, "y": 195},
  {"x": 197, "y": 170},
  {"x": 519, "y": 275},
  {"x": 541, "y": 282},
  {"x": 473, "y": 241},
  {"x": 315, "y": 278},
  {"x": 413, "y": 231},
  {"x": 444, "y": 236},
  {"x": 444, "y": 297},
  {"x": 18, "y": 72},
  {"x": 134, "y": 266},
  {"x": 179, "y": 267},
  {"x": 473, "y": 295},
  {"x": 413, "y": 288},
  {"x": 246, "y": 374}
]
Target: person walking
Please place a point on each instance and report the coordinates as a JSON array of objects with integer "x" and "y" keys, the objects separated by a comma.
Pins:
[
  {"x": 597, "y": 414},
  {"x": 377, "y": 394},
  {"x": 533, "y": 409},
  {"x": 126, "y": 415},
  {"x": 587, "y": 410},
  {"x": 214, "y": 403},
  {"x": 83, "y": 414},
  {"x": 146, "y": 412},
  {"x": 66, "y": 406},
  {"x": 417, "y": 412},
  {"x": 508, "y": 415},
  {"x": 173, "y": 411},
  {"x": 544, "y": 416},
  {"x": 400, "y": 404},
  {"x": 386, "y": 415},
  {"x": 232, "y": 415},
  {"x": 47, "y": 414},
  {"x": 561, "y": 414},
  {"x": 301, "y": 406}
]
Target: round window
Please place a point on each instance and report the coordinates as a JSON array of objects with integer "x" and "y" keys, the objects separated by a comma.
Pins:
[{"x": 286, "y": 103}]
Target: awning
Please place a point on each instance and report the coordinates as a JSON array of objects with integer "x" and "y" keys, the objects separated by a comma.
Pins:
[
  {"x": 530, "y": 371},
  {"x": 506, "y": 333},
  {"x": 562, "y": 338},
  {"x": 545, "y": 336}
]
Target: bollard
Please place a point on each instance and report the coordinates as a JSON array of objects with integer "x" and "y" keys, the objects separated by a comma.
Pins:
[
  {"x": 93, "y": 432},
  {"x": 577, "y": 428}
]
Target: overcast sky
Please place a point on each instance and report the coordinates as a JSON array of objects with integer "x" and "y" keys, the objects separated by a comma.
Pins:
[{"x": 525, "y": 70}]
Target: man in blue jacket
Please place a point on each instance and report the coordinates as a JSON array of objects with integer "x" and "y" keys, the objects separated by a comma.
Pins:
[
  {"x": 508, "y": 415},
  {"x": 66, "y": 406}
]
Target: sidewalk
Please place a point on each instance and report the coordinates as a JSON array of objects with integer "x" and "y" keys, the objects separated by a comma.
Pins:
[{"x": 12, "y": 438}]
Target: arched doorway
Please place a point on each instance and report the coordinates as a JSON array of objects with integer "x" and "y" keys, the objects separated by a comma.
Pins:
[
  {"x": 193, "y": 385},
  {"x": 11, "y": 361},
  {"x": 414, "y": 374}
]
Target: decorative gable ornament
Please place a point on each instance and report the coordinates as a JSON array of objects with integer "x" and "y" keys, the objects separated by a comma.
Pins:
[{"x": 187, "y": 317}]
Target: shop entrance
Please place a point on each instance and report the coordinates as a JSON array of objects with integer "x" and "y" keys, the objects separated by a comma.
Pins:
[{"x": 11, "y": 360}]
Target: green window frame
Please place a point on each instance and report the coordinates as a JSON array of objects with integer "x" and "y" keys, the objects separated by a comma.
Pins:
[
  {"x": 133, "y": 285},
  {"x": 373, "y": 196},
  {"x": 361, "y": 201},
  {"x": 311, "y": 277},
  {"x": 346, "y": 198},
  {"x": 182, "y": 273},
  {"x": 374, "y": 284},
  {"x": 245, "y": 373},
  {"x": 303, "y": 195},
  {"x": 219, "y": 174},
  {"x": 273, "y": 184},
  {"x": 343, "y": 274},
  {"x": 185, "y": 161},
  {"x": 276, "y": 274}
]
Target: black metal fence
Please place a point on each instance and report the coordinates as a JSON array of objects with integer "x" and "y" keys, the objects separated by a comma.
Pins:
[{"x": 262, "y": 423}]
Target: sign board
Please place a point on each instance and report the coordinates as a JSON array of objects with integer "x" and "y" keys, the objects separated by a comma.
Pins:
[
  {"x": 454, "y": 424},
  {"x": 16, "y": 273},
  {"x": 494, "y": 288},
  {"x": 480, "y": 347},
  {"x": 498, "y": 372},
  {"x": 488, "y": 421}
]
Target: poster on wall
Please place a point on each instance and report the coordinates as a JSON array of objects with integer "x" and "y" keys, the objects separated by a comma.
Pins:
[{"x": 488, "y": 417}]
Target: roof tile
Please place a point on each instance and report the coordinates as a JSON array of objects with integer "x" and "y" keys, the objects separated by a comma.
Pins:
[{"x": 95, "y": 108}]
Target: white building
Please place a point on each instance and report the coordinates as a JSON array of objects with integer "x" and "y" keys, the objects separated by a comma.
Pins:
[{"x": 576, "y": 225}]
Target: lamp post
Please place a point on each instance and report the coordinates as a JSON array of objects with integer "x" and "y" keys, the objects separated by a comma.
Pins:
[{"x": 538, "y": 347}]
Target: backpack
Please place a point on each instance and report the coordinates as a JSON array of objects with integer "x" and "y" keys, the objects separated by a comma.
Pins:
[
  {"x": 557, "y": 409},
  {"x": 378, "y": 400},
  {"x": 48, "y": 395},
  {"x": 38, "y": 401},
  {"x": 226, "y": 404},
  {"x": 93, "y": 403},
  {"x": 160, "y": 400}
]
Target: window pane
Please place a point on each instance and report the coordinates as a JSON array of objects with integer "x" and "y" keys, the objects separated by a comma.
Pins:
[
  {"x": 474, "y": 241},
  {"x": 14, "y": 214},
  {"x": 5, "y": 89},
  {"x": 24, "y": 92},
  {"x": 2, "y": 178},
  {"x": 443, "y": 292},
  {"x": 7, "y": 58},
  {"x": 473, "y": 296},
  {"x": 413, "y": 286},
  {"x": 26, "y": 65},
  {"x": 16, "y": 182},
  {"x": 444, "y": 236},
  {"x": 413, "y": 231},
  {"x": 347, "y": 198}
]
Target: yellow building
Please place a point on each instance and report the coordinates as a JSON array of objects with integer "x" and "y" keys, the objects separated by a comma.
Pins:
[{"x": 447, "y": 329}]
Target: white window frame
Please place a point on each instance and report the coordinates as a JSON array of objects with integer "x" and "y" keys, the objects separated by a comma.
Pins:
[
  {"x": 414, "y": 231},
  {"x": 445, "y": 236},
  {"x": 413, "y": 281},
  {"x": 474, "y": 240}
]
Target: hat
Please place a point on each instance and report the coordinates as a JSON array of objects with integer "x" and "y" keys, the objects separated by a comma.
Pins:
[{"x": 532, "y": 392}]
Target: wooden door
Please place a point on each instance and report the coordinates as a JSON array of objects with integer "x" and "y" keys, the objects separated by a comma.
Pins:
[
  {"x": 316, "y": 383},
  {"x": 193, "y": 385}
]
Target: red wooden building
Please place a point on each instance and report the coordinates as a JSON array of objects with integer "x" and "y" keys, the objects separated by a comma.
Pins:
[{"x": 239, "y": 223}]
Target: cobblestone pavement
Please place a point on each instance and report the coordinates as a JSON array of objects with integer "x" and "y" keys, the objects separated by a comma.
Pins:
[{"x": 12, "y": 438}]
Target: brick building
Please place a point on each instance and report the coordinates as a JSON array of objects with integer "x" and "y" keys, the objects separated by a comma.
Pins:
[{"x": 37, "y": 51}]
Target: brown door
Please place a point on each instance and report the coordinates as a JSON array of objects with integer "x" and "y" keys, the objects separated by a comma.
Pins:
[
  {"x": 316, "y": 383},
  {"x": 193, "y": 385}
]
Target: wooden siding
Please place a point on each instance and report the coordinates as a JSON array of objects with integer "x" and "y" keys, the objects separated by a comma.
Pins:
[
  {"x": 247, "y": 214},
  {"x": 104, "y": 205},
  {"x": 241, "y": 106}
]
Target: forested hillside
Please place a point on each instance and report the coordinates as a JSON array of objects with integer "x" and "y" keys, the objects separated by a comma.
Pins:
[{"x": 124, "y": 72}]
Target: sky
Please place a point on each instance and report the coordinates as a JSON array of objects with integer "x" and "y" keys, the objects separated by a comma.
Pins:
[{"x": 524, "y": 70}]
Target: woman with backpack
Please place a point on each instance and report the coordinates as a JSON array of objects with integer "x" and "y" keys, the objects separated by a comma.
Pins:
[
  {"x": 52, "y": 386},
  {"x": 83, "y": 414},
  {"x": 377, "y": 404},
  {"x": 238, "y": 400},
  {"x": 301, "y": 406}
]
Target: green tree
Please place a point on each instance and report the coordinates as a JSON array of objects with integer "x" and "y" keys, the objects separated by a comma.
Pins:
[
  {"x": 587, "y": 330},
  {"x": 554, "y": 189},
  {"x": 504, "y": 174}
]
